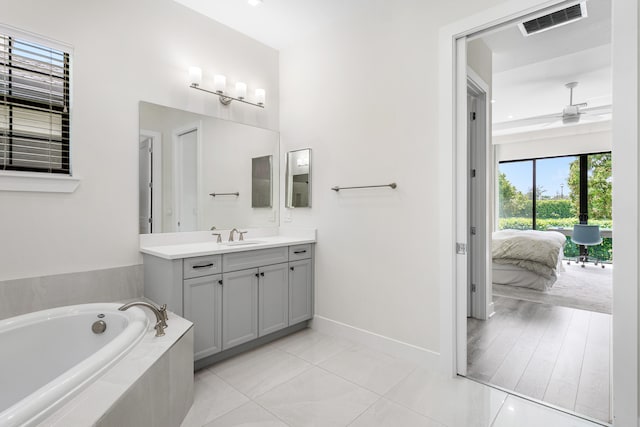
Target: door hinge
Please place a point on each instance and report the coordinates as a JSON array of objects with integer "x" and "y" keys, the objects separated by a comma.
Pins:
[
  {"x": 150, "y": 220},
  {"x": 473, "y": 173},
  {"x": 473, "y": 115},
  {"x": 461, "y": 248},
  {"x": 473, "y": 231},
  {"x": 473, "y": 287},
  {"x": 151, "y": 185}
]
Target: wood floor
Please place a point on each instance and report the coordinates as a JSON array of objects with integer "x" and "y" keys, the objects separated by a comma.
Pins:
[{"x": 554, "y": 354}]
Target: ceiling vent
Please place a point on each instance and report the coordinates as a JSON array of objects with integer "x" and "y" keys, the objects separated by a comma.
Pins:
[{"x": 553, "y": 20}]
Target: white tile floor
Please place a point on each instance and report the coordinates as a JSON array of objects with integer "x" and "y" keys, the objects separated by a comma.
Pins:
[{"x": 311, "y": 379}]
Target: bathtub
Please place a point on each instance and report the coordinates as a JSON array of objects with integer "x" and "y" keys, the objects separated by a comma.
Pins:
[{"x": 49, "y": 356}]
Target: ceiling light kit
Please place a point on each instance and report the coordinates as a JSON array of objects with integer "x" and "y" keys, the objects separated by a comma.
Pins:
[
  {"x": 255, "y": 3},
  {"x": 220, "y": 87}
]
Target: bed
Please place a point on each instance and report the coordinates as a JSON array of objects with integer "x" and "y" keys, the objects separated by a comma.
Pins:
[{"x": 527, "y": 258}]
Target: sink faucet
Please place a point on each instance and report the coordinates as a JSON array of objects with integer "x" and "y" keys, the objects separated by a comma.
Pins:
[
  {"x": 160, "y": 312},
  {"x": 231, "y": 234}
]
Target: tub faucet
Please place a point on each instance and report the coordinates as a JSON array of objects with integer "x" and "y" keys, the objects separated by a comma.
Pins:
[
  {"x": 160, "y": 312},
  {"x": 231, "y": 234}
]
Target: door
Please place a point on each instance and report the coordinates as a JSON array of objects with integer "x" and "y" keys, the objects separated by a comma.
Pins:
[
  {"x": 239, "y": 307},
  {"x": 145, "y": 185},
  {"x": 273, "y": 298},
  {"x": 186, "y": 180},
  {"x": 300, "y": 298},
  {"x": 203, "y": 306}
]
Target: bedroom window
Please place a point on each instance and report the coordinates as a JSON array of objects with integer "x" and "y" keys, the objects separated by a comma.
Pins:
[
  {"x": 34, "y": 107},
  {"x": 568, "y": 190}
]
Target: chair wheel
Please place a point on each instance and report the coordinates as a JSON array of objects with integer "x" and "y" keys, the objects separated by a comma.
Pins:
[
  {"x": 602, "y": 265},
  {"x": 582, "y": 266}
]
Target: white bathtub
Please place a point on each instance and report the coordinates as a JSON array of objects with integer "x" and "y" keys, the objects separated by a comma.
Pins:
[{"x": 48, "y": 356}]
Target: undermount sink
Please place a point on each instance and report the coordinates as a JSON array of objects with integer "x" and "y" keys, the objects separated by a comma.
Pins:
[{"x": 242, "y": 242}]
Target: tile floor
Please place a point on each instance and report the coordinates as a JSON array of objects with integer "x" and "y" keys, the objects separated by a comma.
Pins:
[{"x": 312, "y": 379}]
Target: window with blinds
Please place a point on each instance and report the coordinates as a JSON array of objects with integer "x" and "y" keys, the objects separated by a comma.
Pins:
[{"x": 34, "y": 107}]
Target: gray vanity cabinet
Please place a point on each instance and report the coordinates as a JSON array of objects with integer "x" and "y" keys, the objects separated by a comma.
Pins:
[
  {"x": 300, "y": 284},
  {"x": 273, "y": 298},
  {"x": 236, "y": 300},
  {"x": 203, "y": 306},
  {"x": 239, "y": 307}
]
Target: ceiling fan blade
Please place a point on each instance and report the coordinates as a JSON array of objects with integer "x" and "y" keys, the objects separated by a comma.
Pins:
[
  {"x": 527, "y": 121},
  {"x": 599, "y": 110}
]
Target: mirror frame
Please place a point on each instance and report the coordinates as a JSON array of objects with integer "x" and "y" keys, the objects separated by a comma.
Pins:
[{"x": 287, "y": 184}]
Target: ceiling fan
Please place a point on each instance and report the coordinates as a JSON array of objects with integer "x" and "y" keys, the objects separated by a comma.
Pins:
[{"x": 571, "y": 114}]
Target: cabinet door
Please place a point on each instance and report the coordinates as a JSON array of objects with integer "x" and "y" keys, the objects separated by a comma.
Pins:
[
  {"x": 273, "y": 298},
  {"x": 239, "y": 307},
  {"x": 203, "y": 306},
  {"x": 300, "y": 291}
]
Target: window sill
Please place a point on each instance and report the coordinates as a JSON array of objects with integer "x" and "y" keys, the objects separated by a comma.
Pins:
[{"x": 37, "y": 182}]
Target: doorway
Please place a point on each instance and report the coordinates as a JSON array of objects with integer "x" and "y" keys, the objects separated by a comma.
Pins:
[
  {"x": 186, "y": 183},
  {"x": 150, "y": 181},
  {"x": 624, "y": 148}
]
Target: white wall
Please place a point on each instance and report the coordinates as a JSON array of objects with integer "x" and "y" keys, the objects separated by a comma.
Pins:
[
  {"x": 592, "y": 138},
  {"x": 124, "y": 52},
  {"x": 364, "y": 96}
]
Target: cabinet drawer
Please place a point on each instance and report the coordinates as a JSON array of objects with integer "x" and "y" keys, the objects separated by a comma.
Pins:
[
  {"x": 249, "y": 259},
  {"x": 299, "y": 252},
  {"x": 202, "y": 266}
]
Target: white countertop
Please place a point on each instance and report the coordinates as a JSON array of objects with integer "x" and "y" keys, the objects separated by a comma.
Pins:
[{"x": 201, "y": 248}]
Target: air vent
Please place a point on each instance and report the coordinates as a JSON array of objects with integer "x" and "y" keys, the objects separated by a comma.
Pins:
[{"x": 556, "y": 19}]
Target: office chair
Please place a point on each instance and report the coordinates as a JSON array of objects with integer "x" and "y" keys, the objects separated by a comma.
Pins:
[{"x": 586, "y": 235}]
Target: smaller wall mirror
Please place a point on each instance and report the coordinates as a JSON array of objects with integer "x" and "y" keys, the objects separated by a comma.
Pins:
[
  {"x": 261, "y": 182},
  {"x": 298, "y": 180}
]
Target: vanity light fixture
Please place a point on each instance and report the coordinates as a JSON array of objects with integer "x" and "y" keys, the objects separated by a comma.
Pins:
[{"x": 220, "y": 86}]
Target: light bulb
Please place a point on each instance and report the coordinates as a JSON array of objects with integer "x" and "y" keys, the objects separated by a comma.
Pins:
[
  {"x": 195, "y": 76},
  {"x": 219, "y": 83},
  {"x": 241, "y": 90},
  {"x": 260, "y": 96}
]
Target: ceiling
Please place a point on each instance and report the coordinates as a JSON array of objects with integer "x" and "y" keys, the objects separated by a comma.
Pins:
[
  {"x": 530, "y": 73},
  {"x": 278, "y": 23}
]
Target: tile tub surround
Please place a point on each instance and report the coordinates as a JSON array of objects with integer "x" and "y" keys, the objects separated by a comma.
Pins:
[
  {"x": 20, "y": 296},
  {"x": 151, "y": 386},
  {"x": 333, "y": 381}
]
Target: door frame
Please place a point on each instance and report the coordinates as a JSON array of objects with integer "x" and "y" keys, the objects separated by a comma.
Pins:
[
  {"x": 175, "y": 135},
  {"x": 156, "y": 178},
  {"x": 452, "y": 87},
  {"x": 481, "y": 300}
]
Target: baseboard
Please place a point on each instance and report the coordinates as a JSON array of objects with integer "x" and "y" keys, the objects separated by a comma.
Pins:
[{"x": 412, "y": 353}]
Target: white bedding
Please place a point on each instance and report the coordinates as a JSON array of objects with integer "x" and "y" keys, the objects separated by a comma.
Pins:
[{"x": 528, "y": 258}]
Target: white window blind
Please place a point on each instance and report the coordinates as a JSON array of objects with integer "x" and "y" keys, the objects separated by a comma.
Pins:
[{"x": 34, "y": 107}]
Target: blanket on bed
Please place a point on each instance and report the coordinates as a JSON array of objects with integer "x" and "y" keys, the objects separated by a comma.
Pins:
[{"x": 534, "y": 250}]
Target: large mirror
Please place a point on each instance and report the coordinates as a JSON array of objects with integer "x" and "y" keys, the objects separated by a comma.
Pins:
[
  {"x": 298, "y": 179},
  {"x": 198, "y": 172}
]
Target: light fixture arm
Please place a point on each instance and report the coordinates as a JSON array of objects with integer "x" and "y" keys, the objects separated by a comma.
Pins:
[{"x": 225, "y": 99}]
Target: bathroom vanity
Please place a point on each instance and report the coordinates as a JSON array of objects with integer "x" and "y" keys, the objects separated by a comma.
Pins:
[{"x": 239, "y": 295}]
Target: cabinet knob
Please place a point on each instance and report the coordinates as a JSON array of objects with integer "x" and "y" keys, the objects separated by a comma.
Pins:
[
  {"x": 257, "y": 275},
  {"x": 262, "y": 274},
  {"x": 291, "y": 268},
  {"x": 219, "y": 282}
]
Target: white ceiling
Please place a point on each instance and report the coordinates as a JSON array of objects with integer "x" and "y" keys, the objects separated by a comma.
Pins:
[
  {"x": 277, "y": 23},
  {"x": 530, "y": 72}
]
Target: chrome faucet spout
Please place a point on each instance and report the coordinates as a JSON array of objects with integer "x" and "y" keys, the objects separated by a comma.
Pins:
[
  {"x": 160, "y": 312},
  {"x": 235, "y": 230}
]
